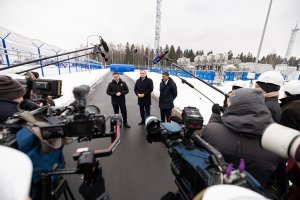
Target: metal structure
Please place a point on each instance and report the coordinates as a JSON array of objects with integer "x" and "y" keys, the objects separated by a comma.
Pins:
[
  {"x": 157, "y": 26},
  {"x": 291, "y": 43},
  {"x": 263, "y": 33}
]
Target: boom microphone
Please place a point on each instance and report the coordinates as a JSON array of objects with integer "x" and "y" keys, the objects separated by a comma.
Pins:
[
  {"x": 104, "y": 44},
  {"x": 160, "y": 57}
]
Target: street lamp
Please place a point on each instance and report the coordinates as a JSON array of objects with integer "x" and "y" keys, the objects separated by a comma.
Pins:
[
  {"x": 263, "y": 34},
  {"x": 87, "y": 45}
]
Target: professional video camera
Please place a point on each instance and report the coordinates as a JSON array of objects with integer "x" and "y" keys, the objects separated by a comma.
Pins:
[
  {"x": 195, "y": 164},
  {"x": 77, "y": 120}
]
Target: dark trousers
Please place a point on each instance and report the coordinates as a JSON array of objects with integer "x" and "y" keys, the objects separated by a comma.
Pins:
[
  {"x": 144, "y": 111},
  {"x": 165, "y": 114},
  {"x": 123, "y": 111}
]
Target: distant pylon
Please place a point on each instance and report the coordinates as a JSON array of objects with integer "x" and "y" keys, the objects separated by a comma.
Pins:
[
  {"x": 291, "y": 44},
  {"x": 157, "y": 26}
]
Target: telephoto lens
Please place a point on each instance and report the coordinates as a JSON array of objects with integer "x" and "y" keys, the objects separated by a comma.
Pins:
[{"x": 282, "y": 141}]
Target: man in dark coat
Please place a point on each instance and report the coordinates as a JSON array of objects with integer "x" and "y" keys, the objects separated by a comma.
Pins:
[
  {"x": 290, "y": 117},
  {"x": 117, "y": 89},
  {"x": 168, "y": 92},
  {"x": 238, "y": 133},
  {"x": 11, "y": 94},
  {"x": 270, "y": 82},
  {"x": 143, "y": 88}
]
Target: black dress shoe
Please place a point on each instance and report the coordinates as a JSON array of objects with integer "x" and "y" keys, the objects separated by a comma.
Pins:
[
  {"x": 142, "y": 123},
  {"x": 127, "y": 125}
]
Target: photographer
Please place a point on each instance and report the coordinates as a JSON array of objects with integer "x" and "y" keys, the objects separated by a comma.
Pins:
[
  {"x": 290, "y": 117},
  {"x": 238, "y": 132},
  {"x": 11, "y": 94}
]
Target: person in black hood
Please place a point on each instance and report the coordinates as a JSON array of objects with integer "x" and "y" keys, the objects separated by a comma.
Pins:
[
  {"x": 238, "y": 132},
  {"x": 143, "y": 88},
  {"x": 117, "y": 89},
  {"x": 168, "y": 92},
  {"x": 11, "y": 94}
]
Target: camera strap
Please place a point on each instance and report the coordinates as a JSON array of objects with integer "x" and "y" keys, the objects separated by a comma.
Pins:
[{"x": 33, "y": 124}]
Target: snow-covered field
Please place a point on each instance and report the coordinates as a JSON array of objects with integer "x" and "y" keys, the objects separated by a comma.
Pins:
[{"x": 186, "y": 95}]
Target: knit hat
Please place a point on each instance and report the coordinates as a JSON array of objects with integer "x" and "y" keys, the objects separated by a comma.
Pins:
[
  {"x": 10, "y": 89},
  {"x": 246, "y": 95},
  {"x": 268, "y": 87}
]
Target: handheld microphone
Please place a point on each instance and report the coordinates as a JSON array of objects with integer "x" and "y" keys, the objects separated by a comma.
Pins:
[
  {"x": 104, "y": 56},
  {"x": 104, "y": 44},
  {"x": 160, "y": 57}
]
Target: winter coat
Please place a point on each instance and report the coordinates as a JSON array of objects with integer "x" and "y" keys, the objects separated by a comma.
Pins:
[
  {"x": 167, "y": 94},
  {"x": 293, "y": 174},
  {"x": 29, "y": 144},
  {"x": 237, "y": 135},
  {"x": 290, "y": 112},
  {"x": 8, "y": 108},
  {"x": 144, "y": 87},
  {"x": 274, "y": 107},
  {"x": 113, "y": 88}
]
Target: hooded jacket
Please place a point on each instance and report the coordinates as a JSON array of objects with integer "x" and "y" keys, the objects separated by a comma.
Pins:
[
  {"x": 238, "y": 133},
  {"x": 290, "y": 112},
  {"x": 8, "y": 108},
  {"x": 167, "y": 94}
]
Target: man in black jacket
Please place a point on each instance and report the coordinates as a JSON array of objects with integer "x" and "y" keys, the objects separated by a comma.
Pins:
[
  {"x": 143, "y": 88},
  {"x": 117, "y": 89},
  {"x": 11, "y": 94},
  {"x": 168, "y": 92},
  {"x": 238, "y": 132}
]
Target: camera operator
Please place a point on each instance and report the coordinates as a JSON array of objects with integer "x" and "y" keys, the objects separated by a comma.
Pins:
[
  {"x": 238, "y": 132},
  {"x": 11, "y": 94},
  {"x": 290, "y": 117},
  {"x": 270, "y": 82}
]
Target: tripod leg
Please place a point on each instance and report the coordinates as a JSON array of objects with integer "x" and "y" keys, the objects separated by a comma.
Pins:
[{"x": 70, "y": 192}]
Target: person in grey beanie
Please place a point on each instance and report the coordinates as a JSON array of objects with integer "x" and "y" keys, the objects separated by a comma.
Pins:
[
  {"x": 237, "y": 133},
  {"x": 11, "y": 94}
]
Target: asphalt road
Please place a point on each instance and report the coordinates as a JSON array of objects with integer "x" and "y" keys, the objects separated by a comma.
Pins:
[{"x": 136, "y": 170}]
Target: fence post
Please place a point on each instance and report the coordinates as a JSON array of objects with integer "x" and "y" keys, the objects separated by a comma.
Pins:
[
  {"x": 57, "y": 60},
  {"x": 39, "y": 52},
  {"x": 5, "y": 50}
]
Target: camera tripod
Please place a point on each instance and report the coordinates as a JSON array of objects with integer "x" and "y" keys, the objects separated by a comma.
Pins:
[{"x": 54, "y": 191}]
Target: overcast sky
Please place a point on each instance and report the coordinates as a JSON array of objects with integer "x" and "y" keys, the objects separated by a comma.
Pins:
[{"x": 217, "y": 25}]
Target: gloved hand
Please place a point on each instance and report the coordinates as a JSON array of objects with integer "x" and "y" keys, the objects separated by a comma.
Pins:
[
  {"x": 92, "y": 191},
  {"x": 28, "y": 105},
  {"x": 216, "y": 109}
]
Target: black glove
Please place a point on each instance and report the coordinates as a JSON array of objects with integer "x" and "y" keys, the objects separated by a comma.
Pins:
[
  {"x": 28, "y": 105},
  {"x": 216, "y": 109},
  {"x": 92, "y": 191}
]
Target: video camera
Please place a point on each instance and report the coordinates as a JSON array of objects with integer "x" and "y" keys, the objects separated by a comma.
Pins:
[
  {"x": 195, "y": 164},
  {"x": 76, "y": 120}
]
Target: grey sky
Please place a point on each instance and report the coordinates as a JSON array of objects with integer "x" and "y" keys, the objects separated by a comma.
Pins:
[{"x": 217, "y": 25}]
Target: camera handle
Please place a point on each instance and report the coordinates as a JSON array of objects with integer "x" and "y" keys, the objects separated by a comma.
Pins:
[{"x": 63, "y": 187}]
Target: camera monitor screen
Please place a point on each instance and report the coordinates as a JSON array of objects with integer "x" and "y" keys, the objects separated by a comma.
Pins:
[{"x": 47, "y": 87}]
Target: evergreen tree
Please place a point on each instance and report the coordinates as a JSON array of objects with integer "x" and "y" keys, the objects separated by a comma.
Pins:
[
  {"x": 128, "y": 57},
  {"x": 172, "y": 54},
  {"x": 210, "y": 52},
  {"x": 293, "y": 61},
  {"x": 191, "y": 55},
  {"x": 230, "y": 55},
  {"x": 178, "y": 53},
  {"x": 186, "y": 53}
]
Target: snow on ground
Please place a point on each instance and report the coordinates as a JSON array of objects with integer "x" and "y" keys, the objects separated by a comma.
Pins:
[
  {"x": 69, "y": 80},
  {"x": 186, "y": 95}
]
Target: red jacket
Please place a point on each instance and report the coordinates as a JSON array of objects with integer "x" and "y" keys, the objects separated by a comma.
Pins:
[{"x": 293, "y": 174}]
